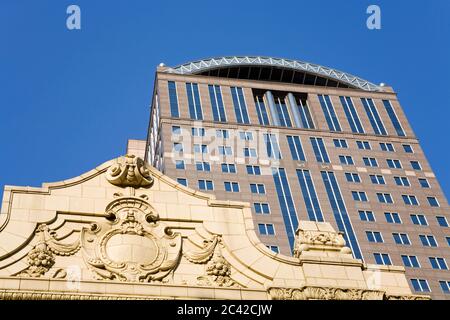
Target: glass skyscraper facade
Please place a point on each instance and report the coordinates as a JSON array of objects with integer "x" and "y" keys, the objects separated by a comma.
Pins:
[{"x": 301, "y": 142}]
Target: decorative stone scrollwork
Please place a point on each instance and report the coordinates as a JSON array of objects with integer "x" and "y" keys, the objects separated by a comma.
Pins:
[
  {"x": 41, "y": 259},
  {"x": 319, "y": 240},
  {"x": 134, "y": 246},
  {"x": 129, "y": 171}
]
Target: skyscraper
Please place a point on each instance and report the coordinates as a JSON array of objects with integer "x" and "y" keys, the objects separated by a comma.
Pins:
[{"x": 301, "y": 141}]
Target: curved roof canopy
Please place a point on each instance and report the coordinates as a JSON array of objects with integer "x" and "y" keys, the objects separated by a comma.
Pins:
[{"x": 274, "y": 69}]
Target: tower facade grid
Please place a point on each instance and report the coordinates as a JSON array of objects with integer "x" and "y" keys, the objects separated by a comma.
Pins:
[{"x": 300, "y": 145}]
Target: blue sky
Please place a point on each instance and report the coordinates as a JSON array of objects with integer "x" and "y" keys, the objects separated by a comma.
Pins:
[{"x": 69, "y": 100}]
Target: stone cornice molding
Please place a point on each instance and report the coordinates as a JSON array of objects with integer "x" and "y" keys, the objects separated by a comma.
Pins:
[
  {"x": 46, "y": 295},
  {"x": 335, "y": 293}
]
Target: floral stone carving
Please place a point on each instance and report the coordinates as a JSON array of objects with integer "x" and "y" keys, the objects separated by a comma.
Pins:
[
  {"x": 129, "y": 171},
  {"x": 219, "y": 271},
  {"x": 134, "y": 246},
  {"x": 41, "y": 258}
]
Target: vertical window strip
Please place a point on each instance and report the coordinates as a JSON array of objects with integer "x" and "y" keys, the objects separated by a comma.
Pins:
[
  {"x": 340, "y": 212},
  {"x": 330, "y": 114},
  {"x": 243, "y": 106},
  {"x": 218, "y": 109},
  {"x": 394, "y": 119},
  {"x": 273, "y": 149},
  {"x": 195, "y": 108},
  {"x": 173, "y": 98},
  {"x": 286, "y": 204},
  {"x": 240, "y": 108},
  {"x": 352, "y": 115},
  {"x": 296, "y": 148},
  {"x": 305, "y": 115},
  {"x": 374, "y": 117},
  {"x": 261, "y": 111},
  {"x": 319, "y": 150},
  {"x": 309, "y": 195},
  {"x": 283, "y": 114}
]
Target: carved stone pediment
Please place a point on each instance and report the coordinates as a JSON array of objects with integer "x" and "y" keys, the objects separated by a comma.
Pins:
[
  {"x": 129, "y": 171},
  {"x": 58, "y": 232},
  {"x": 134, "y": 246}
]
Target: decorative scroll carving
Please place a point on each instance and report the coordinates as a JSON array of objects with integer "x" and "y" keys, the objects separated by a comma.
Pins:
[
  {"x": 129, "y": 171},
  {"x": 134, "y": 247},
  {"x": 205, "y": 254},
  {"x": 329, "y": 293},
  {"x": 40, "y": 259},
  {"x": 319, "y": 240}
]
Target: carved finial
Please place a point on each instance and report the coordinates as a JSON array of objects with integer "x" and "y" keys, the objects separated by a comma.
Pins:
[{"x": 129, "y": 171}]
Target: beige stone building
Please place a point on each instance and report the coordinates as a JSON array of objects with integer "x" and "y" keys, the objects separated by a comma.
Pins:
[
  {"x": 126, "y": 231},
  {"x": 303, "y": 142}
]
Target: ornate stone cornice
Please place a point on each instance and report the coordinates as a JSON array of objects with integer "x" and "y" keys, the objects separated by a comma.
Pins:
[
  {"x": 304, "y": 293},
  {"x": 36, "y": 295},
  {"x": 330, "y": 293},
  {"x": 323, "y": 293},
  {"x": 408, "y": 297}
]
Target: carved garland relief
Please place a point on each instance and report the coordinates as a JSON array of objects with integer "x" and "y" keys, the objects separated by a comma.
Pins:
[
  {"x": 218, "y": 270},
  {"x": 41, "y": 258}
]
